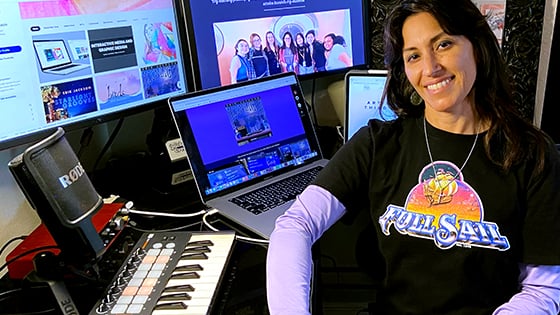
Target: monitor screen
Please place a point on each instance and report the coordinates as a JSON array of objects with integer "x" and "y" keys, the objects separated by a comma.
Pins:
[
  {"x": 221, "y": 30},
  {"x": 73, "y": 63},
  {"x": 364, "y": 93}
]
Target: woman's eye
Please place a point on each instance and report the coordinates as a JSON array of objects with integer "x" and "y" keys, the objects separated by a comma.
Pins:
[
  {"x": 444, "y": 44},
  {"x": 411, "y": 57}
]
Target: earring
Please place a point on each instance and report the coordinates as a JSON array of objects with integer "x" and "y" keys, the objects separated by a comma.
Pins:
[{"x": 415, "y": 99}]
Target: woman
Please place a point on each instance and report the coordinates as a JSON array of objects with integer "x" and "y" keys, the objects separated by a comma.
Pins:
[
  {"x": 271, "y": 50},
  {"x": 317, "y": 51},
  {"x": 241, "y": 68},
  {"x": 305, "y": 62},
  {"x": 257, "y": 56},
  {"x": 335, "y": 52},
  {"x": 288, "y": 54},
  {"x": 463, "y": 192}
]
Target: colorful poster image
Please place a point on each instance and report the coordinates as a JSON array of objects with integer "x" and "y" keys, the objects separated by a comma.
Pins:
[
  {"x": 118, "y": 88},
  {"x": 161, "y": 79},
  {"x": 68, "y": 99},
  {"x": 159, "y": 43}
]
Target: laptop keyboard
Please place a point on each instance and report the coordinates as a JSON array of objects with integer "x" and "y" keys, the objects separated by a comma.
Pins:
[{"x": 277, "y": 193}]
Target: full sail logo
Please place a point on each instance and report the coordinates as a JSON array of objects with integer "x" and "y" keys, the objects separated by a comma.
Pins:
[
  {"x": 73, "y": 175},
  {"x": 444, "y": 208}
]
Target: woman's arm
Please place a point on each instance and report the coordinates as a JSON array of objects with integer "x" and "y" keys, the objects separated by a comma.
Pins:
[
  {"x": 344, "y": 57},
  {"x": 540, "y": 292},
  {"x": 289, "y": 261},
  {"x": 233, "y": 67}
]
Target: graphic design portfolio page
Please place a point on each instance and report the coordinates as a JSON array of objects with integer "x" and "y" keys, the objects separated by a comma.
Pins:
[{"x": 71, "y": 60}]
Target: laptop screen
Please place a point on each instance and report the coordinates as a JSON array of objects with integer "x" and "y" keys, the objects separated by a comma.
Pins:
[
  {"x": 238, "y": 134},
  {"x": 364, "y": 89},
  {"x": 51, "y": 53}
]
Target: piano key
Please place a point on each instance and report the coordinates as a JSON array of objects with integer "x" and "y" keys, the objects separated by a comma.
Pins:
[{"x": 174, "y": 281}]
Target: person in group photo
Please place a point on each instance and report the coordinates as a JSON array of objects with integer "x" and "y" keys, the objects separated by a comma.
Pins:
[
  {"x": 305, "y": 62},
  {"x": 288, "y": 54},
  {"x": 241, "y": 68},
  {"x": 271, "y": 50},
  {"x": 335, "y": 52},
  {"x": 257, "y": 56},
  {"x": 317, "y": 51},
  {"x": 462, "y": 190}
]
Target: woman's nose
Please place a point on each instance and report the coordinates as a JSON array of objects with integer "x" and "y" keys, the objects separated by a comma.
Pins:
[{"x": 431, "y": 65}]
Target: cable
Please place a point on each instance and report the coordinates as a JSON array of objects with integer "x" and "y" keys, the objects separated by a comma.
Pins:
[
  {"x": 158, "y": 231},
  {"x": 26, "y": 253},
  {"x": 22, "y": 237},
  {"x": 313, "y": 110},
  {"x": 87, "y": 134},
  {"x": 108, "y": 143},
  {"x": 237, "y": 237},
  {"x": 165, "y": 214},
  {"x": 340, "y": 133}
]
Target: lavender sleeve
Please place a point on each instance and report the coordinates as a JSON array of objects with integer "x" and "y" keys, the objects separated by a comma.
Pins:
[
  {"x": 289, "y": 261},
  {"x": 540, "y": 292}
]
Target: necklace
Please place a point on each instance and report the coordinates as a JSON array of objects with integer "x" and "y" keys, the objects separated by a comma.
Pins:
[{"x": 437, "y": 180}]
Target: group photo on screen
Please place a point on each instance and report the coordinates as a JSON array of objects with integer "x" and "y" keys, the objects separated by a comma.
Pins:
[{"x": 301, "y": 43}]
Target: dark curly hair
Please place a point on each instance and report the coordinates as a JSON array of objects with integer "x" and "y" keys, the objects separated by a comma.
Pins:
[{"x": 510, "y": 139}]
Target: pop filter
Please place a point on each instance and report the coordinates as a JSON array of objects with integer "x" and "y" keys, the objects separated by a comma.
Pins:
[{"x": 57, "y": 187}]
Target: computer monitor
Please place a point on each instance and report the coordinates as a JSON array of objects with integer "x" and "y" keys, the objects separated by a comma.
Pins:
[
  {"x": 86, "y": 62},
  {"x": 216, "y": 27},
  {"x": 364, "y": 93}
]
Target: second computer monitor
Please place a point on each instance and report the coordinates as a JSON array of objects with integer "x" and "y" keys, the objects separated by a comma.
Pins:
[
  {"x": 220, "y": 30},
  {"x": 364, "y": 91}
]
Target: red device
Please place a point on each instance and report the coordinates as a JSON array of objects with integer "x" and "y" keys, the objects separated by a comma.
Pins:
[{"x": 107, "y": 222}]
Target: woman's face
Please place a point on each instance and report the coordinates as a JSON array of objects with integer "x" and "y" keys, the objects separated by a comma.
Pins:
[
  {"x": 256, "y": 42},
  {"x": 328, "y": 42},
  {"x": 270, "y": 38},
  {"x": 287, "y": 40},
  {"x": 299, "y": 40},
  {"x": 310, "y": 38},
  {"x": 242, "y": 48},
  {"x": 440, "y": 67},
  {"x": 149, "y": 31}
]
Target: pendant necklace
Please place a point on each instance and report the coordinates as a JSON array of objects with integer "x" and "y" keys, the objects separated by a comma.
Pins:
[{"x": 437, "y": 180}]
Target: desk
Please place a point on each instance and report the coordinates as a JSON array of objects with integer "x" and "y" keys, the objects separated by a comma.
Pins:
[{"x": 242, "y": 290}]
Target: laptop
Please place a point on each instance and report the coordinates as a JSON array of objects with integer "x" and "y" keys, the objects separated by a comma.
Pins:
[
  {"x": 54, "y": 57},
  {"x": 242, "y": 138},
  {"x": 364, "y": 89}
]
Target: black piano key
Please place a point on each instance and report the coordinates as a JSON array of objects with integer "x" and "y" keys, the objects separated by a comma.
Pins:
[
  {"x": 174, "y": 297},
  {"x": 200, "y": 243},
  {"x": 179, "y": 288},
  {"x": 197, "y": 249},
  {"x": 185, "y": 275},
  {"x": 194, "y": 256},
  {"x": 195, "y": 267},
  {"x": 171, "y": 306}
]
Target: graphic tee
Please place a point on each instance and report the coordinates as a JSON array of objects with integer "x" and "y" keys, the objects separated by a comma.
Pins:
[{"x": 449, "y": 241}]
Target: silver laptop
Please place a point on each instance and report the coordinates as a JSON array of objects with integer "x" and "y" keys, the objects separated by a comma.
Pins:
[
  {"x": 242, "y": 138},
  {"x": 364, "y": 89},
  {"x": 54, "y": 57}
]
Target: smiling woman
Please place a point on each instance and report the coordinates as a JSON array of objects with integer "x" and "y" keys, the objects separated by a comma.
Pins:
[{"x": 445, "y": 182}]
